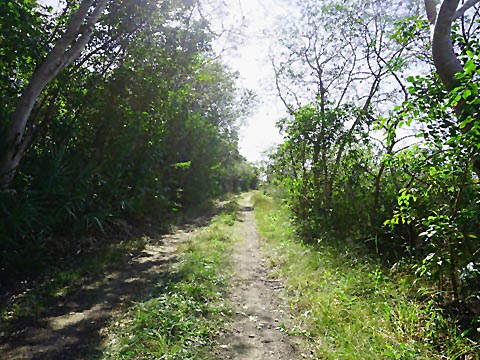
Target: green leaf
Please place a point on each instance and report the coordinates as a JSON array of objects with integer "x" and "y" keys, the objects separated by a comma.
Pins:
[
  {"x": 466, "y": 122},
  {"x": 466, "y": 93},
  {"x": 470, "y": 66},
  {"x": 182, "y": 165}
]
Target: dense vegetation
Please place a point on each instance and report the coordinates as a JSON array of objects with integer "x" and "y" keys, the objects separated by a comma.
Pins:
[
  {"x": 142, "y": 124},
  {"x": 381, "y": 146},
  {"x": 347, "y": 306}
]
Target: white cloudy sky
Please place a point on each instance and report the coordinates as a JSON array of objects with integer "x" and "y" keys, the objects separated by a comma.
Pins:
[{"x": 250, "y": 59}]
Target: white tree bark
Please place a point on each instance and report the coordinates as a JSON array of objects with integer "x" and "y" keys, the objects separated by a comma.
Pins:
[
  {"x": 431, "y": 10},
  {"x": 444, "y": 58},
  {"x": 467, "y": 5},
  {"x": 67, "y": 49}
]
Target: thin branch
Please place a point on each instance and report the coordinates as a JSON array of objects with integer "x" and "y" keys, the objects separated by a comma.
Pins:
[
  {"x": 279, "y": 91},
  {"x": 468, "y": 4}
]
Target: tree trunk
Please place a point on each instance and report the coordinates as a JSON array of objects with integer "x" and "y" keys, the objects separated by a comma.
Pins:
[
  {"x": 67, "y": 49},
  {"x": 444, "y": 58}
]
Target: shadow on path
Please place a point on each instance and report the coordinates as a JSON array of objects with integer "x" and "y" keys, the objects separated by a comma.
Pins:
[{"x": 72, "y": 328}]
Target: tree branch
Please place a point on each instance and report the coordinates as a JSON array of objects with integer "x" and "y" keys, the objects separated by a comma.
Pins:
[
  {"x": 464, "y": 8},
  {"x": 431, "y": 9},
  {"x": 444, "y": 57},
  {"x": 67, "y": 48}
]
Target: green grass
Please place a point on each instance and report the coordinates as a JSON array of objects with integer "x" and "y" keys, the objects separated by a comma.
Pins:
[
  {"x": 182, "y": 318},
  {"x": 348, "y": 306}
]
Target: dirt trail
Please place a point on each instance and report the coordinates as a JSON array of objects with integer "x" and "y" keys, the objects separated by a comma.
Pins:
[
  {"x": 74, "y": 327},
  {"x": 256, "y": 330}
]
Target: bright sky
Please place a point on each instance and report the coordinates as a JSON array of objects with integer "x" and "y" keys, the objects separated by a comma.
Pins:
[{"x": 250, "y": 59}]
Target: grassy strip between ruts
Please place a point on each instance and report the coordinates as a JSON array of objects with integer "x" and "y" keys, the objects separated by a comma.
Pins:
[
  {"x": 347, "y": 306},
  {"x": 181, "y": 318}
]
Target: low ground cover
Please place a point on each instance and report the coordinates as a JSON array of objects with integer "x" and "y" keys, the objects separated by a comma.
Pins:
[{"x": 348, "y": 306}]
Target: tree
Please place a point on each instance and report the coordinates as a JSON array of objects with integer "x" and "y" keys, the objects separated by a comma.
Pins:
[
  {"x": 68, "y": 47},
  {"x": 446, "y": 61},
  {"x": 345, "y": 93},
  {"x": 144, "y": 121},
  {"x": 416, "y": 202}
]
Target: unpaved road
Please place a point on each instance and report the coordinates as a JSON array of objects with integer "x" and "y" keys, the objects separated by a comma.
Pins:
[
  {"x": 74, "y": 327},
  {"x": 256, "y": 331}
]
